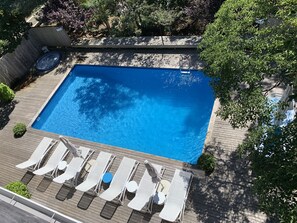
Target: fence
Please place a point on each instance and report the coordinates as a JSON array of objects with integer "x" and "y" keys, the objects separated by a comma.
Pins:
[
  {"x": 51, "y": 36},
  {"x": 16, "y": 64}
]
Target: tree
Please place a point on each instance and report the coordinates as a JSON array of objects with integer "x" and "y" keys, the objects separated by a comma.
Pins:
[
  {"x": 12, "y": 26},
  {"x": 136, "y": 17},
  {"x": 249, "y": 42},
  {"x": 102, "y": 11},
  {"x": 273, "y": 152},
  {"x": 240, "y": 55},
  {"x": 199, "y": 13},
  {"x": 68, "y": 14},
  {"x": 131, "y": 17}
]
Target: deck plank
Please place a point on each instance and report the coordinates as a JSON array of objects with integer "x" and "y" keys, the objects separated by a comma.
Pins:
[{"x": 211, "y": 198}]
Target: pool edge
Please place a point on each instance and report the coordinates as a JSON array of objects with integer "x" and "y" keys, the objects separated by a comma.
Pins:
[
  {"x": 67, "y": 72},
  {"x": 210, "y": 128}
]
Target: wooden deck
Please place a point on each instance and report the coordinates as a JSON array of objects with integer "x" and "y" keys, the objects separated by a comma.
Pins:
[{"x": 223, "y": 197}]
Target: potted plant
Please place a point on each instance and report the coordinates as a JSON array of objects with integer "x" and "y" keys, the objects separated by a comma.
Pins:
[
  {"x": 6, "y": 94},
  {"x": 19, "y": 130},
  {"x": 19, "y": 188},
  {"x": 207, "y": 162}
]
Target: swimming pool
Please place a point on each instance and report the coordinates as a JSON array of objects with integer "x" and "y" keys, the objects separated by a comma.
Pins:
[{"x": 152, "y": 110}]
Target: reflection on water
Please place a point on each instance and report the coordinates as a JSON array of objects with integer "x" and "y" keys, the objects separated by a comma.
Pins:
[{"x": 184, "y": 79}]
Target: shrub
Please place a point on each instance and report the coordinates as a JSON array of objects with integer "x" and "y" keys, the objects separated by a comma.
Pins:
[
  {"x": 207, "y": 162},
  {"x": 6, "y": 94},
  {"x": 66, "y": 13},
  {"x": 19, "y": 188},
  {"x": 19, "y": 129}
]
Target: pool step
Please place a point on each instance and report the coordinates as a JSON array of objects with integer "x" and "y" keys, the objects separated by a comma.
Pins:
[{"x": 185, "y": 72}]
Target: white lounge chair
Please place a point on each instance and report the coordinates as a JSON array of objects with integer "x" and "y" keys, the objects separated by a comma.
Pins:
[
  {"x": 94, "y": 178},
  {"x": 74, "y": 167},
  {"x": 174, "y": 206},
  {"x": 121, "y": 177},
  {"x": 146, "y": 191},
  {"x": 39, "y": 153},
  {"x": 51, "y": 166}
]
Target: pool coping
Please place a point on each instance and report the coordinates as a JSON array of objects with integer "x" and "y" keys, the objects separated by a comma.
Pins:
[
  {"x": 208, "y": 137},
  {"x": 50, "y": 96}
]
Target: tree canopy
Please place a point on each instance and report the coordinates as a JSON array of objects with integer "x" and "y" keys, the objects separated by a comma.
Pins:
[
  {"x": 240, "y": 54},
  {"x": 107, "y": 17},
  {"x": 131, "y": 17},
  {"x": 12, "y": 22},
  {"x": 249, "y": 43},
  {"x": 273, "y": 152}
]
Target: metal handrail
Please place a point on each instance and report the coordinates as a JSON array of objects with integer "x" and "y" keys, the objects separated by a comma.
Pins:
[{"x": 52, "y": 214}]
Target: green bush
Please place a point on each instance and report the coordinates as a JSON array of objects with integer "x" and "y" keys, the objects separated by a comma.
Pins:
[
  {"x": 19, "y": 129},
  {"x": 207, "y": 162},
  {"x": 6, "y": 94},
  {"x": 19, "y": 188}
]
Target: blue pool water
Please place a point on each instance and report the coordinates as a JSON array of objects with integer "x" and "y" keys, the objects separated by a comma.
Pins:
[{"x": 152, "y": 110}]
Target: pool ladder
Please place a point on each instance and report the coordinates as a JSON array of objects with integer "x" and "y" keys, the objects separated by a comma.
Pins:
[
  {"x": 184, "y": 72},
  {"x": 183, "y": 69}
]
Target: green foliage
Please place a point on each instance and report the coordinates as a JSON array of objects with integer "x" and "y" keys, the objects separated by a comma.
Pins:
[
  {"x": 274, "y": 163},
  {"x": 68, "y": 14},
  {"x": 137, "y": 17},
  {"x": 19, "y": 188},
  {"x": 249, "y": 42},
  {"x": 111, "y": 17},
  {"x": 207, "y": 162},
  {"x": 12, "y": 22},
  {"x": 103, "y": 10},
  {"x": 19, "y": 129},
  {"x": 6, "y": 94},
  {"x": 240, "y": 54}
]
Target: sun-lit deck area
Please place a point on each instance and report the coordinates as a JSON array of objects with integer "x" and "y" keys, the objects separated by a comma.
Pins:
[{"x": 225, "y": 196}]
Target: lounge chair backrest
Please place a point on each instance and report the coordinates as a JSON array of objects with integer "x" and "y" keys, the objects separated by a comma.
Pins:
[
  {"x": 76, "y": 163},
  {"x": 41, "y": 148},
  {"x": 38, "y": 154},
  {"x": 57, "y": 155},
  {"x": 146, "y": 183},
  {"x": 178, "y": 192},
  {"x": 101, "y": 162},
  {"x": 123, "y": 172},
  {"x": 146, "y": 190},
  {"x": 120, "y": 179},
  {"x": 94, "y": 178},
  {"x": 179, "y": 186}
]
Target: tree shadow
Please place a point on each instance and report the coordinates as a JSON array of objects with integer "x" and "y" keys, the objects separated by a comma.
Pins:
[
  {"x": 227, "y": 194},
  {"x": 5, "y": 111},
  {"x": 147, "y": 57},
  {"x": 68, "y": 59},
  {"x": 127, "y": 41},
  {"x": 99, "y": 97}
]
